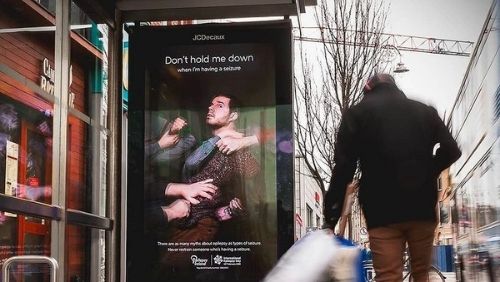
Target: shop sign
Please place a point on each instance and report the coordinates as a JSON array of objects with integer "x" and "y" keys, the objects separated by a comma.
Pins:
[
  {"x": 47, "y": 80},
  {"x": 298, "y": 219},
  {"x": 34, "y": 181}
]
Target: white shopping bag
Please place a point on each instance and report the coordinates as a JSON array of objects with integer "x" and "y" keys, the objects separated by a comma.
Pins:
[
  {"x": 322, "y": 256},
  {"x": 307, "y": 260}
]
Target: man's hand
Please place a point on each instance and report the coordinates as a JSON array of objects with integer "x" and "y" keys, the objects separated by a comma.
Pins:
[
  {"x": 189, "y": 192},
  {"x": 352, "y": 187},
  {"x": 178, "y": 209},
  {"x": 328, "y": 229},
  {"x": 330, "y": 221},
  {"x": 234, "y": 208},
  {"x": 333, "y": 212},
  {"x": 231, "y": 144},
  {"x": 177, "y": 126},
  {"x": 171, "y": 135},
  {"x": 168, "y": 140},
  {"x": 203, "y": 188},
  {"x": 228, "y": 145},
  {"x": 229, "y": 133}
]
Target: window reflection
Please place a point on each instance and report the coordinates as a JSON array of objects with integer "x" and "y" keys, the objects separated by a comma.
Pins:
[
  {"x": 86, "y": 132},
  {"x": 77, "y": 239},
  {"x": 464, "y": 218},
  {"x": 25, "y": 150},
  {"x": 18, "y": 236}
]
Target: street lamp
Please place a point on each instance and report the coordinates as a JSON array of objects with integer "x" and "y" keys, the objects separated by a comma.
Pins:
[{"x": 400, "y": 67}]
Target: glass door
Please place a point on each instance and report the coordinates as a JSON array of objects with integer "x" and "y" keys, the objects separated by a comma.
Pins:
[{"x": 34, "y": 178}]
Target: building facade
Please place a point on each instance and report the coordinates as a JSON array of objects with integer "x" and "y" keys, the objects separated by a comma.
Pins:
[
  {"x": 474, "y": 123},
  {"x": 308, "y": 201},
  {"x": 356, "y": 228},
  {"x": 444, "y": 231}
]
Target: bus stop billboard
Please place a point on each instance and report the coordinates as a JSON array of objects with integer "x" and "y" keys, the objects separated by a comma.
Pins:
[{"x": 210, "y": 179}]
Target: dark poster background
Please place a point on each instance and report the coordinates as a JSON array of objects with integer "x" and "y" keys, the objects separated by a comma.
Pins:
[{"x": 175, "y": 72}]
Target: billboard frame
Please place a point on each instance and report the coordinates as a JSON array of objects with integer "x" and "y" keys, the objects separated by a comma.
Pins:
[{"x": 277, "y": 33}]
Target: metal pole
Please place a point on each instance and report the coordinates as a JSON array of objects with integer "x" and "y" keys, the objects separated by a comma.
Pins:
[
  {"x": 61, "y": 62},
  {"x": 115, "y": 256}
]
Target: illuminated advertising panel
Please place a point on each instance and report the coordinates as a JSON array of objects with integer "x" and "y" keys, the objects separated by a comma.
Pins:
[{"x": 210, "y": 151}]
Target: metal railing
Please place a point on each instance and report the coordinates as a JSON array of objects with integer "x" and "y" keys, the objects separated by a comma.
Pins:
[
  {"x": 29, "y": 259},
  {"x": 434, "y": 273}
]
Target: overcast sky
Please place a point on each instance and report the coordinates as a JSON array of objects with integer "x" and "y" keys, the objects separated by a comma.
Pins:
[
  {"x": 433, "y": 79},
  {"x": 436, "y": 79}
]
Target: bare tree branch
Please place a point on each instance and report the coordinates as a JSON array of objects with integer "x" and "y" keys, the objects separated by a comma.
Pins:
[{"x": 343, "y": 68}]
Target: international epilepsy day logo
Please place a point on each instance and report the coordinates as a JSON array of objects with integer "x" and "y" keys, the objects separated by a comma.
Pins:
[{"x": 218, "y": 259}]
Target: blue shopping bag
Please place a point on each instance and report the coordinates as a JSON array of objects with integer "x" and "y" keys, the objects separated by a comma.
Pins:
[{"x": 347, "y": 264}]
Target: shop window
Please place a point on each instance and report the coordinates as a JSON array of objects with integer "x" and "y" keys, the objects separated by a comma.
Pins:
[
  {"x": 87, "y": 139},
  {"x": 25, "y": 151},
  {"x": 20, "y": 238},
  {"x": 87, "y": 121},
  {"x": 27, "y": 72},
  {"x": 49, "y": 5},
  {"x": 25, "y": 172},
  {"x": 79, "y": 156},
  {"x": 77, "y": 240},
  {"x": 26, "y": 42}
]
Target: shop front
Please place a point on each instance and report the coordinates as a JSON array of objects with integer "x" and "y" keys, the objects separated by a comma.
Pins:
[{"x": 53, "y": 154}]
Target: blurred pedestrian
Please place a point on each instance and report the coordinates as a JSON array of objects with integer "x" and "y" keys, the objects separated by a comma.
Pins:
[{"x": 394, "y": 139}]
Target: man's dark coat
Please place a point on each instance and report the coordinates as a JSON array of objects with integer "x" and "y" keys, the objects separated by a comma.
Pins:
[{"x": 394, "y": 139}]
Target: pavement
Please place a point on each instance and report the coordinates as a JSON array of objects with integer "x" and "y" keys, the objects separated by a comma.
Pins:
[{"x": 450, "y": 276}]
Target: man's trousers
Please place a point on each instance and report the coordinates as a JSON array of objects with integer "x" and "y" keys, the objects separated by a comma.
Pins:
[{"x": 388, "y": 244}]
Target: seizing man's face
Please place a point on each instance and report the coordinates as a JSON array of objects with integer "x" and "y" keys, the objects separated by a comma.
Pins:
[{"x": 219, "y": 114}]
